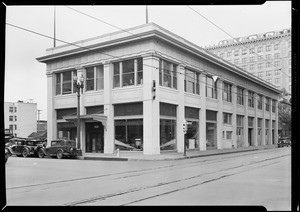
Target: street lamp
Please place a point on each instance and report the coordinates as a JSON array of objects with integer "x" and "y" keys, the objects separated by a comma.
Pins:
[{"x": 78, "y": 85}]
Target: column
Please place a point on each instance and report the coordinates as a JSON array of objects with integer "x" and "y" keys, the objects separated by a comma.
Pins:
[
  {"x": 263, "y": 127},
  {"x": 276, "y": 123},
  {"x": 234, "y": 100},
  {"x": 255, "y": 120},
  {"x": 245, "y": 140},
  {"x": 202, "y": 122},
  {"x": 270, "y": 123},
  {"x": 151, "y": 121},
  {"x": 180, "y": 108},
  {"x": 220, "y": 113},
  {"x": 109, "y": 129},
  {"x": 51, "y": 113}
]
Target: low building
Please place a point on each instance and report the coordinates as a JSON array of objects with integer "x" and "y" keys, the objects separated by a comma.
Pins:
[
  {"x": 142, "y": 83},
  {"x": 20, "y": 117}
]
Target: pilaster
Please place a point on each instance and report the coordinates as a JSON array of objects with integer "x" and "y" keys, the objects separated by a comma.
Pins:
[
  {"x": 234, "y": 102},
  {"x": 202, "y": 115},
  {"x": 245, "y": 124},
  {"x": 220, "y": 113},
  {"x": 51, "y": 113}
]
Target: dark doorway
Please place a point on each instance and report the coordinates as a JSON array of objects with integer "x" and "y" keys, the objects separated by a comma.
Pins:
[
  {"x": 94, "y": 137},
  {"x": 250, "y": 136}
]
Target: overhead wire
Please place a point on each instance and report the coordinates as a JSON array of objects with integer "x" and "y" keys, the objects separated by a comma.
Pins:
[
  {"x": 86, "y": 48},
  {"x": 232, "y": 37}
]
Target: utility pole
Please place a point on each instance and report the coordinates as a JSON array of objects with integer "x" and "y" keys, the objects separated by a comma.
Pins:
[
  {"x": 54, "y": 39},
  {"x": 38, "y": 127}
]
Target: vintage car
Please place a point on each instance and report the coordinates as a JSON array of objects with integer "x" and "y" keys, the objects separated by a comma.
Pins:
[
  {"x": 24, "y": 147},
  {"x": 284, "y": 141},
  {"x": 60, "y": 148},
  {"x": 8, "y": 153}
]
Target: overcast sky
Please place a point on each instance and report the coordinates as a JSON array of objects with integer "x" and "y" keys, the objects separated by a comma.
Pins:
[{"x": 25, "y": 77}]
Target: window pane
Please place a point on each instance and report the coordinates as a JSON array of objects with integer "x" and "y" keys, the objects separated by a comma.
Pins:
[
  {"x": 58, "y": 84},
  {"x": 128, "y": 79},
  {"x": 167, "y": 134},
  {"x": 167, "y": 109},
  {"x": 90, "y": 78},
  {"x": 128, "y": 109},
  {"x": 99, "y": 78},
  {"x": 67, "y": 83},
  {"x": 128, "y": 66}
]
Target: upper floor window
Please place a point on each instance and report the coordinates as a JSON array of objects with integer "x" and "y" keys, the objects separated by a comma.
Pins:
[
  {"x": 211, "y": 88},
  {"x": 268, "y": 65},
  {"x": 260, "y": 74},
  {"x": 64, "y": 82},
  {"x": 268, "y": 57},
  {"x": 11, "y": 118},
  {"x": 244, "y": 60},
  {"x": 227, "y": 118},
  {"x": 276, "y": 63},
  {"x": 250, "y": 99},
  {"x": 11, "y": 109},
  {"x": 259, "y": 49},
  {"x": 276, "y": 72},
  {"x": 268, "y": 48},
  {"x": 240, "y": 96},
  {"x": 251, "y": 67},
  {"x": 251, "y": 59},
  {"x": 236, "y": 61},
  {"x": 236, "y": 52},
  {"x": 259, "y": 66},
  {"x": 268, "y": 73},
  {"x": 276, "y": 55},
  {"x": 191, "y": 82},
  {"x": 94, "y": 78},
  {"x": 128, "y": 73},
  {"x": 276, "y": 46},
  {"x": 167, "y": 74},
  {"x": 259, "y": 102},
  {"x": 251, "y": 51},
  {"x": 267, "y": 104},
  {"x": 273, "y": 105},
  {"x": 227, "y": 88},
  {"x": 229, "y": 54},
  {"x": 244, "y": 51}
]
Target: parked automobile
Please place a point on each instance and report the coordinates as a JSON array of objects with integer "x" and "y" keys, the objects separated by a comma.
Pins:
[
  {"x": 61, "y": 148},
  {"x": 8, "y": 153},
  {"x": 284, "y": 141},
  {"x": 23, "y": 147}
]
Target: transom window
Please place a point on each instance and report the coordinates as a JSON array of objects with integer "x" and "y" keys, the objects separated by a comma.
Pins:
[
  {"x": 64, "y": 82},
  {"x": 94, "y": 78},
  {"x": 128, "y": 73},
  {"x": 167, "y": 74},
  {"x": 191, "y": 82}
]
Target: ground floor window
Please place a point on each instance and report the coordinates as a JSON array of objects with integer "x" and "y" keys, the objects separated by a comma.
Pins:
[
  {"x": 167, "y": 134},
  {"x": 129, "y": 134},
  {"x": 66, "y": 130},
  {"x": 192, "y": 135}
]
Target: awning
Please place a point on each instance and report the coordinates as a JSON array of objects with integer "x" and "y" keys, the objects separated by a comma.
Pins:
[{"x": 97, "y": 117}]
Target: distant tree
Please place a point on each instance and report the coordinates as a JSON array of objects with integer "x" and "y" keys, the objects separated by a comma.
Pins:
[{"x": 284, "y": 114}]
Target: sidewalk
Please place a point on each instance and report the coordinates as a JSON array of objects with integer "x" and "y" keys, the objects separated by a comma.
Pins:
[{"x": 171, "y": 155}]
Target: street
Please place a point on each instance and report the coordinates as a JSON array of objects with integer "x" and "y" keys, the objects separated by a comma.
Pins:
[{"x": 260, "y": 177}]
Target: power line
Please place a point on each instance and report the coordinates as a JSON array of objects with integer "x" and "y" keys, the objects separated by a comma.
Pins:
[
  {"x": 158, "y": 68},
  {"x": 229, "y": 35},
  {"x": 139, "y": 36}
]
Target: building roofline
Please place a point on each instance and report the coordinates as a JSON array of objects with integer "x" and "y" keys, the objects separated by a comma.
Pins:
[{"x": 142, "y": 32}]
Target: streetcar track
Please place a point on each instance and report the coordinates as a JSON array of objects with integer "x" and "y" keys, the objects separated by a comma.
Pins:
[
  {"x": 103, "y": 197},
  {"x": 192, "y": 164}
]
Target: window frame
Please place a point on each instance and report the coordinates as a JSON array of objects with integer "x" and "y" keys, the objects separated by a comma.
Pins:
[{"x": 227, "y": 92}]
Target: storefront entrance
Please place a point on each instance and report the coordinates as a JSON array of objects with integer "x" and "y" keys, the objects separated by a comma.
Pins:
[{"x": 94, "y": 137}]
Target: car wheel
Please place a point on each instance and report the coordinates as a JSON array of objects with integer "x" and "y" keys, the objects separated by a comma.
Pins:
[
  {"x": 24, "y": 153},
  {"x": 41, "y": 153},
  {"x": 59, "y": 154}
]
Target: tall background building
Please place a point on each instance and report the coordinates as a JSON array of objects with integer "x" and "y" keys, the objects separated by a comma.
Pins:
[
  {"x": 20, "y": 117},
  {"x": 266, "y": 55}
]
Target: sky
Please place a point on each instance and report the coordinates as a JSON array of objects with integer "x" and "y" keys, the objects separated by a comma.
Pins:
[{"x": 25, "y": 77}]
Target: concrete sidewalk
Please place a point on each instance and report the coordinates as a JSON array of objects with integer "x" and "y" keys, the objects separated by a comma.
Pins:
[{"x": 171, "y": 155}]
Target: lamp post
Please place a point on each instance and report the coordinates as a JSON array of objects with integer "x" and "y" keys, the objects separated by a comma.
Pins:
[{"x": 78, "y": 85}]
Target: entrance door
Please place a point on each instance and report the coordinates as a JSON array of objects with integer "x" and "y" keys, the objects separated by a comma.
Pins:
[
  {"x": 250, "y": 136},
  {"x": 94, "y": 137},
  {"x": 273, "y": 137},
  {"x": 239, "y": 136}
]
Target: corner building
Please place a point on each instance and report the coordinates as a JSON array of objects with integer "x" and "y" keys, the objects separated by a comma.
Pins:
[{"x": 142, "y": 83}]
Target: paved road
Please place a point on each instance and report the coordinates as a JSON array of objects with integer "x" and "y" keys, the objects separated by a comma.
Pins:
[{"x": 250, "y": 178}]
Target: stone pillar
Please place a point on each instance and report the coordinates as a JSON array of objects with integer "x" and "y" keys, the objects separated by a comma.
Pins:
[
  {"x": 151, "y": 120},
  {"x": 202, "y": 115},
  {"x": 245, "y": 142},
  {"x": 180, "y": 108},
  {"x": 263, "y": 128},
  {"x": 51, "y": 113},
  {"x": 234, "y": 102},
  {"x": 276, "y": 123},
  {"x": 255, "y": 120},
  {"x": 109, "y": 129},
  {"x": 220, "y": 113}
]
